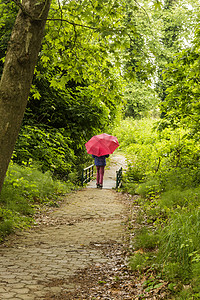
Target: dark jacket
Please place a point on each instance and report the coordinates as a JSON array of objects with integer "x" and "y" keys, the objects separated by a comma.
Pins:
[{"x": 100, "y": 160}]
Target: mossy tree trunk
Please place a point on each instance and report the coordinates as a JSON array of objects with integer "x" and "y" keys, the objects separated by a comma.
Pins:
[{"x": 21, "y": 58}]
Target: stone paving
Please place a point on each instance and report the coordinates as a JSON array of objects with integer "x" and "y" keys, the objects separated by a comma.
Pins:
[{"x": 31, "y": 260}]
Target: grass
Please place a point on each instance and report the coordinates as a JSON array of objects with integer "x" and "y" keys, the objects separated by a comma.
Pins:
[
  {"x": 146, "y": 239},
  {"x": 25, "y": 188},
  {"x": 163, "y": 170},
  {"x": 171, "y": 237}
]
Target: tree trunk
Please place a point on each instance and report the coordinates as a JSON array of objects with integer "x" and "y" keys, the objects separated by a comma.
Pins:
[{"x": 21, "y": 58}]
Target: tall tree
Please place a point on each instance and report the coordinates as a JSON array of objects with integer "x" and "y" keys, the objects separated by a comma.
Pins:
[
  {"x": 18, "y": 72},
  {"x": 25, "y": 44},
  {"x": 182, "y": 98},
  {"x": 175, "y": 28},
  {"x": 104, "y": 20}
]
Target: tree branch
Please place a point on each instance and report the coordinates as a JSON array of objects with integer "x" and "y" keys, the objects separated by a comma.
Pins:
[
  {"x": 143, "y": 10},
  {"x": 61, "y": 12},
  {"x": 17, "y": 2},
  {"x": 25, "y": 12},
  {"x": 42, "y": 10},
  {"x": 72, "y": 23}
]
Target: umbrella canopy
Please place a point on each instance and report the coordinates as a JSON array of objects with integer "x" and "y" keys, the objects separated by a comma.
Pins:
[{"x": 102, "y": 144}]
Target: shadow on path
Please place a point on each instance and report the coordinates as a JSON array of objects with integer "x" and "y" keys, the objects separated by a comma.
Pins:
[{"x": 45, "y": 262}]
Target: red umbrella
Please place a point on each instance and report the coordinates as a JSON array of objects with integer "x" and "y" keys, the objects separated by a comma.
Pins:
[{"x": 102, "y": 144}]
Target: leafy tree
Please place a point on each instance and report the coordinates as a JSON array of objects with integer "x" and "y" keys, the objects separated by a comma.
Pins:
[
  {"x": 75, "y": 88},
  {"x": 100, "y": 20},
  {"x": 180, "y": 106},
  {"x": 49, "y": 148},
  {"x": 176, "y": 20},
  {"x": 171, "y": 27},
  {"x": 182, "y": 100},
  {"x": 140, "y": 46},
  {"x": 140, "y": 58},
  {"x": 140, "y": 100},
  {"x": 80, "y": 58},
  {"x": 17, "y": 74}
]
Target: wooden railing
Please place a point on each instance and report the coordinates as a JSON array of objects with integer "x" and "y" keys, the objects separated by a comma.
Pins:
[
  {"x": 118, "y": 178},
  {"x": 87, "y": 174}
]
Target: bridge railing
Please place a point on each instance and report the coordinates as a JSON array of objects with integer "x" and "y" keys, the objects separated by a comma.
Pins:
[
  {"x": 87, "y": 174},
  {"x": 119, "y": 178}
]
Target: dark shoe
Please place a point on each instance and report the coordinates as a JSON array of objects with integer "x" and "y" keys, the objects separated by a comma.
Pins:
[{"x": 98, "y": 185}]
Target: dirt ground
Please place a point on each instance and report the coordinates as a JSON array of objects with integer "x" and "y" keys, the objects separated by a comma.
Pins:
[{"x": 76, "y": 251}]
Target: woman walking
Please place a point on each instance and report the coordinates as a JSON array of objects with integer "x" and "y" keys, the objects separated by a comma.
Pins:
[{"x": 100, "y": 163}]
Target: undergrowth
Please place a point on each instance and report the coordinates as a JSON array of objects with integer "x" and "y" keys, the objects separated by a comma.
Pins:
[
  {"x": 25, "y": 189},
  {"x": 163, "y": 169}
]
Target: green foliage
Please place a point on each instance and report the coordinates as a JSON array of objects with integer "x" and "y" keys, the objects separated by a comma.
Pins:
[
  {"x": 180, "y": 245},
  {"x": 140, "y": 42},
  {"x": 34, "y": 184},
  {"x": 25, "y": 188},
  {"x": 169, "y": 158},
  {"x": 47, "y": 147},
  {"x": 79, "y": 64},
  {"x": 148, "y": 189},
  {"x": 146, "y": 239},
  {"x": 140, "y": 99},
  {"x": 180, "y": 198},
  {"x": 138, "y": 261},
  {"x": 74, "y": 113},
  {"x": 182, "y": 100},
  {"x": 8, "y": 12},
  {"x": 76, "y": 89},
  {"x": 175, "y": 23},
  {"x": 163, "y": 169},
  {"x": 179, "y": 87},
  {"x": 130, "y": 132}
]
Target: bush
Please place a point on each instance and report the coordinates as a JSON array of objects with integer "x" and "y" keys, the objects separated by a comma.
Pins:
[
  {"x": 48, "y": 147},
  {"x": 183, "y": 198},
  {"x": 134, "y": 174},
  {"x": 170, "y": 157},
  {"x": 31, "y": 183},
  {"x": 9, "y": 220},
  {"x": 178, "y": 178},
  {"x": 148, "y": 188},
  {"x": 164, "y": 169},
  {"x": 25, "y": 188}
]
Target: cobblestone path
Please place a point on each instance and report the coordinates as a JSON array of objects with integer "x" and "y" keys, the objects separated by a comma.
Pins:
[{"x": 41, "y": 261}]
